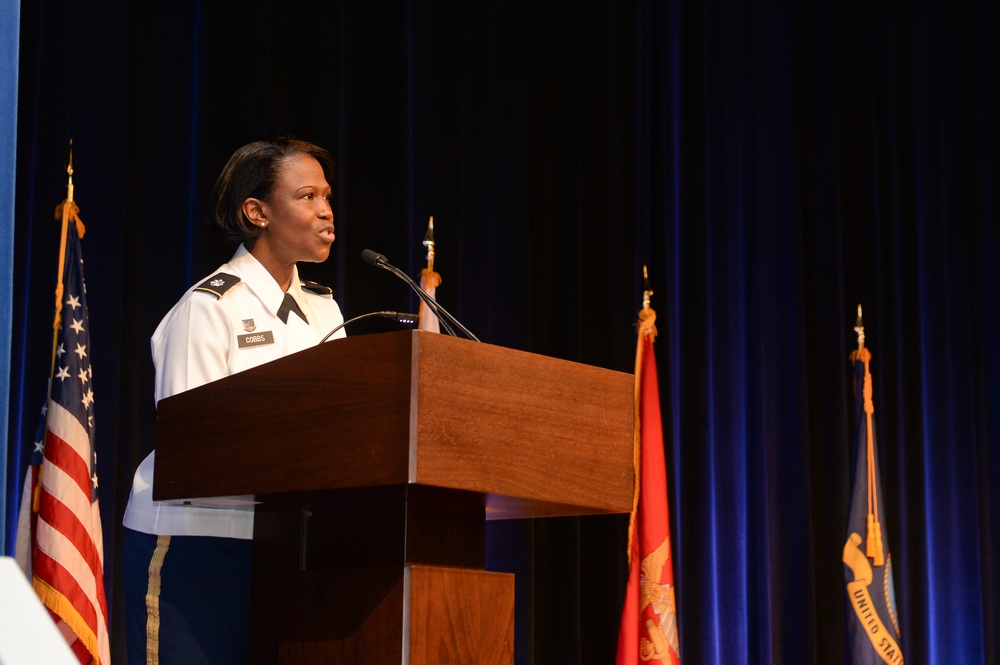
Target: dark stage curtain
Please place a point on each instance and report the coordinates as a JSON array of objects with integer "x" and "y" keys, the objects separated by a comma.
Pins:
[{"x": 774, "y": 164}]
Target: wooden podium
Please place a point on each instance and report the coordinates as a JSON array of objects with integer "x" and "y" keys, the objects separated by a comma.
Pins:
[{"x": 375, "y": 461}]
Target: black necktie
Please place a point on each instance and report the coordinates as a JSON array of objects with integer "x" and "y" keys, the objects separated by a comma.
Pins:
[{"x": 288, "y": 304}]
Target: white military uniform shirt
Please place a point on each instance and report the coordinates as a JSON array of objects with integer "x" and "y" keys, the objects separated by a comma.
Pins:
[{"x": 207, "y": 337}]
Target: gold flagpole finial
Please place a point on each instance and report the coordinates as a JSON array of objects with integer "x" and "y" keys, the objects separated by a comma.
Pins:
[
  {"x": 860, "y": 329},
  {"x": 647, "y": 315},
  {"x": 69, "y": 173},
  {"x": 429, "y": 243}
]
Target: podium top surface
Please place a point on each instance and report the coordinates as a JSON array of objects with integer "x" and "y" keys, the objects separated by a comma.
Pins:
[{"x": 538, "y": 436}]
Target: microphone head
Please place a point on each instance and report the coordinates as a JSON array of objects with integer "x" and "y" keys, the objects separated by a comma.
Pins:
[{"x": 374, "y": 258}]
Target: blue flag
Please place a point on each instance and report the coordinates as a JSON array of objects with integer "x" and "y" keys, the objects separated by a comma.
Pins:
[{"x": 872, "y": 621}]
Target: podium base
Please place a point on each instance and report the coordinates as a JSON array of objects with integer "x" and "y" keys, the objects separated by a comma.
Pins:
[
  {"x": 413, "y": 615},
  {"x": 379, "y": 575}
]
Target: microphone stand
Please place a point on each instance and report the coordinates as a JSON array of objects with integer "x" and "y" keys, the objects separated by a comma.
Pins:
[{"x": 379, "y": 261}]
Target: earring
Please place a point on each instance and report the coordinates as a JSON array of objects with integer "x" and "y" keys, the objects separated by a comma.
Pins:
[{"x": 263, "y": 224}]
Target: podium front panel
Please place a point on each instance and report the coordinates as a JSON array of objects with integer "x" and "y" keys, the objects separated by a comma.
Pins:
[{"x": 537, "y": 436}]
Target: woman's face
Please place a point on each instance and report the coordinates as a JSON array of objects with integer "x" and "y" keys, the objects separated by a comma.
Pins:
[{"x": 298, "y": 213}]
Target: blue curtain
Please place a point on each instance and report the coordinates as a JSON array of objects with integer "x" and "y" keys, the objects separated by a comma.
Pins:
[
  {"x": 773, "y": 164},
  {"x": 10, "y": 13}
]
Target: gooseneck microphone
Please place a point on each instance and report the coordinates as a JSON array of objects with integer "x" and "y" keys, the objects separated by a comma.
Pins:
[
  {"x": 379, "y": 261},
  {"x": 400, "y": 317}
]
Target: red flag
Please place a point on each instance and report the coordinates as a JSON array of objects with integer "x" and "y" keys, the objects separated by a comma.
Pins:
[
  {"x": 62, "y": 529},
  {"x": 648, "y": 632}
]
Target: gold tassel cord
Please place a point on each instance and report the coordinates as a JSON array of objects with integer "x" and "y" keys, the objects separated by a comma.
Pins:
[
  {"x": 873, "y": 528},
  {"x": 636, "y": 439},
  {"x": 875, "y": 538},
  {"x": 873, "y": 541},
  {"x": 646, "y": 326}
]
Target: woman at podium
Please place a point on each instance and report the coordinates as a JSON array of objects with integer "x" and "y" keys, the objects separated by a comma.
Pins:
[{"x": 187, "y": 564}]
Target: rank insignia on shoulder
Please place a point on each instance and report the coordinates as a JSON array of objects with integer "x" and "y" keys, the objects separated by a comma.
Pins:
[
  {"x": 218, "y": 284},
  {"x": 318, "y": 289}
]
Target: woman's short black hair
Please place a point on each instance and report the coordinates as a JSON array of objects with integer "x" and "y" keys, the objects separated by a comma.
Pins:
[{"x": 252, "y": 172}]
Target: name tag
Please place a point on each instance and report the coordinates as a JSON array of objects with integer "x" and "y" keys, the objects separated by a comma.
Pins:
[{"x": 255, "y": 339}]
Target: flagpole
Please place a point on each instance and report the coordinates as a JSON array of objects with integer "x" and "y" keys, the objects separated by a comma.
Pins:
[
  {"x": 646, "y": 326},
  {"x": 64, "y": 212},
  {"x": 429, "y": 244},
  {"x": 859, "y": 328},
  {"x": 429, "y": 281},
  {"x": 647, "y": 315}
]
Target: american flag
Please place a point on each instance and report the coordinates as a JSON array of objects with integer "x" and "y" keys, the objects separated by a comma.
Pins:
[{"x": 60, "y": 540}]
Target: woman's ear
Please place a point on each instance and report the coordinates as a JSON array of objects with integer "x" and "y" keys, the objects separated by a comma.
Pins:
[{"x": 254, "y": 211}]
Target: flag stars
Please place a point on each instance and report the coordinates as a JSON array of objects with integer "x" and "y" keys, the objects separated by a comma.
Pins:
[
  {"x": 61, "y": 350},
  {"x": 88, "y": 398},
  {"x": 39, "y": 446},
  {"x": 77, "y": 326},
  {"x": 73, "y": 302},
  {"x": 83, "y": 376},
  {"x": 63, "y": 373},
  {"x": 81, "y": 351}
]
